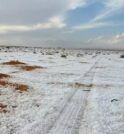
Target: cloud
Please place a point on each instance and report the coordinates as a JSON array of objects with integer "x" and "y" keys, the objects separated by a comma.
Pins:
[
  {"x": 18, "y": 16},
  {"x": 43, "y": 22},
  {"x": 91, "y": 26},
  {"x": 118, "y": 39},
  {"x": 114, "y": 41},
  {"x": 22, "y": 12},
  {"x": 110, "y": 8},
  {"x": 73, "y": 4},
  {"x": 54, "y": 22}
]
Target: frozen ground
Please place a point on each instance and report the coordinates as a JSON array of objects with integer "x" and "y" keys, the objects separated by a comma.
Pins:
[{"x": 80, "y": 94}]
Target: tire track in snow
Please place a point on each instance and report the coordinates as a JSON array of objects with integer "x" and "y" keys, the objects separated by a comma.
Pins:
[{"x": 68, "y": 121}]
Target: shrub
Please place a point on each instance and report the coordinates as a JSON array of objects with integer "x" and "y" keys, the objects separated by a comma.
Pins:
[
  {"x": 122, "y": 56},
  {"x": 80, "y": 55},
  {"x": 64, "y": 56}
]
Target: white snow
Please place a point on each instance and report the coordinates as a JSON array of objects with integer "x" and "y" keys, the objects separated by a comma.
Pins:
[{"x": 54, "y": 102}]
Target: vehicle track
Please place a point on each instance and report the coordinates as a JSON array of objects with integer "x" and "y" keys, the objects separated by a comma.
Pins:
[{"x": 70, "y": 116}]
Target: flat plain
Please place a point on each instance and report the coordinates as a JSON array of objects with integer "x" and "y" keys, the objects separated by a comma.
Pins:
[{"x": 58, "y": 91}]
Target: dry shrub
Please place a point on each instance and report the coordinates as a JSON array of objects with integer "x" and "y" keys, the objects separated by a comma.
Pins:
[
  {"x": 13, "y": 62},
  {"x": 23, "y": 66},
  {"x": 3, "y": 105},
  {"x": 100, "y": 67},
  {"x": 30, "y": 68},
  {"x": 84, "y": 62},
  {"x": 3, "y": 108},
  {"x": 64, "y": 56},
  {"x": 2, "y": 76},
  {"x": 73, "y": 85},
  {"x": 3, "y": 79},
  {"x": 5, "y": 83},
  {"x": 57, "y": 83},
  {"x": 21, "y": 87},
  {"x": 80, "y": 85},
  {"x": 122, "y": 56}
]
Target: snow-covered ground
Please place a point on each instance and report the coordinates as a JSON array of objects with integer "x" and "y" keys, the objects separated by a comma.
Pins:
[{"x": 81, "y": 93}]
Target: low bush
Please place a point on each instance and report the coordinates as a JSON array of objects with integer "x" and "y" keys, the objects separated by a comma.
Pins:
[
  {"x": 64, "y": 56},
  {"x": 122, "y": 56}
]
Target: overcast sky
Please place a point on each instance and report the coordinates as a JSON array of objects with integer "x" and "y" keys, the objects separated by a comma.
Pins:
[{"x": 62, "y": 23}]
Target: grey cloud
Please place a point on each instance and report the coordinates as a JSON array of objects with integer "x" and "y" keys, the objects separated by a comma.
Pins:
[{"x": 29, "y": 11}]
